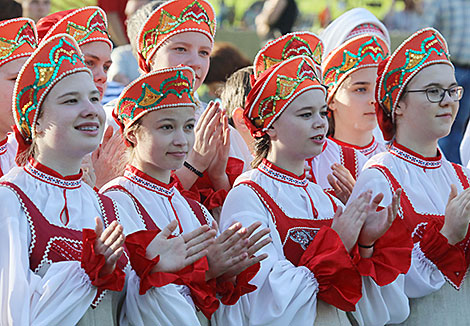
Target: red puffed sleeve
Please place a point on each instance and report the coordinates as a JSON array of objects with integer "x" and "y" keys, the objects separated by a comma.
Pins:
[
  {"x": 391, "y": 257},
  {"x": 449, "y": 259},
  {"x": 338, "y": 278},
  {"x": 93, "y": 264},
  {"x": 193, "y": 276},
  {"x": 229, "y": 292}
]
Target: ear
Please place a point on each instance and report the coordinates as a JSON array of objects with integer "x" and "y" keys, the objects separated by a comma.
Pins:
[
  {"x": 132, "y": 136},
  {"x": 238, "y": 121},
  {"x": 400, "y": 108},
  {"x": 39, "y": 127},
  {"x": 272, "y": 132},
  {"x": 332, "y": 105}
]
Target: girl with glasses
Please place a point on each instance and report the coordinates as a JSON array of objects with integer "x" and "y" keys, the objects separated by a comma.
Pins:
[{"x": 417, "y": 100}]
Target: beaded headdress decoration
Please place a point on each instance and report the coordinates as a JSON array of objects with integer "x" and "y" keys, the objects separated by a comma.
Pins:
[
  {"x": 287, "y": 46},
  {"x": 18, "y": 38},
  {"x": 85, "y": 25},
  {"x": 363, "y": 51},
  {"x": 171, "y": 18},
  {"x": 275, "y": 89},
  {"x": 165, "y": 88},
  {"x": 54, "y": 59},
  {"x": 425, "y": 47}
]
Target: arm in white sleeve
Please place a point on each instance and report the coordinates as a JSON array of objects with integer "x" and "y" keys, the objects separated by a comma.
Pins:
[
  {"x": 60, "y": 297},
  {"x": 286, "y": 294}
]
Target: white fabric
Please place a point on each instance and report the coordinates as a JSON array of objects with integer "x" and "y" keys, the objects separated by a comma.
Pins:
[
  {"x": 428, "y": 190},
  {"x": 8, "y": 154},
  {"x": 321, "y": 164},
  {"x": 286, "y": 294},
  {"x": 465, "y": 148},
  {"x": 338, "y": 30},
  {"x": 61, "y": 293},
  {"x": 171, "y": 304}
]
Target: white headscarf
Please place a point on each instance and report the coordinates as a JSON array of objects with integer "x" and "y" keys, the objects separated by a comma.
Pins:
[{"x": 340, "y": 29}]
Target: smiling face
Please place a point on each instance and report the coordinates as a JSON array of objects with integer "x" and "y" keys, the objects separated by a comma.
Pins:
[
  {"x": 353, "y": 103},
  {"x": 299, "y": 132},
  {"x": 8, "y": 74},
  {"x": 190, "y": 49},
  {"x": 162, "y": 141},
  {"x": 72, "y": 120},
  {"x": 421, "y": 120},
  {"x": 98, "y": 60}
]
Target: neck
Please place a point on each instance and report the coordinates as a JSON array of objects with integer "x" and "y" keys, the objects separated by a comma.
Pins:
[
  {"x": 425, "y": 148},
  {"x": 353, "y": 137},
  {"x": 292, "y": 165},
  {"x": 159, "y": 174},
  {"x": 65, "y": 166}
]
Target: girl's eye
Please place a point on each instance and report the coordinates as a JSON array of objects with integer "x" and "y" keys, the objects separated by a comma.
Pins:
[
  {"x": 166, "y": 127},
  {"x": 204, "y": 53},
  {"x": 180, "y": 49},
  {"x": 361, "y": 89},
  {"x": 71, "y": 101},
  {"x": 306, "y": 115},
  {"x": 106, "y": 68},
  {"x": 190, "y": 126},
  {"x": 95, "y": 99},
  {"x": 324, "y": 114}
]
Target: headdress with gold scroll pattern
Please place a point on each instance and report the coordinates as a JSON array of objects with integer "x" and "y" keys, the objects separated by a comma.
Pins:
[
  {"x": 165, "y": 88},
  {"x": 275, "y": 89},
  {"x": 171, "y": 18},
  {"x": 287, "y": 46},
  {"x": 359, "y": 52},
  {"x": 56, "y": 58},
  {"x": 425, "y": 47},
  {"x": 18, "y": 38},
  {"x": 87, "y": 24}
]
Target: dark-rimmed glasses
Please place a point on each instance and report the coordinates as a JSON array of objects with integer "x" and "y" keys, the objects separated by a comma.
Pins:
[{"x": 436, "y": 94}]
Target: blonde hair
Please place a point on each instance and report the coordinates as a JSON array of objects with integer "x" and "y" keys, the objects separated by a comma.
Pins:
[{"x": 262, "y": 148}]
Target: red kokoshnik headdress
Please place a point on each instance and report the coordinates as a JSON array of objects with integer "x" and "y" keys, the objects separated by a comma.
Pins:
[
  {"x": 363, "y": 51},
  {"x": 165, "y": 88},
  {"x": 18, "y": 38},
  {"x": 54, "y": 59},
  {"x": 173, "y": 17},
  {"x": 275, "y": 89},
  {"x": 288, "y": 46},
  {"x": 425, "y": 47},
  {"x": 88, "y": 24}
]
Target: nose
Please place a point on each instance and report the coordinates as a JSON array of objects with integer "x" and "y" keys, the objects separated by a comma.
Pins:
[
  {"x": 446, "y": 100},
  {"x": 99, "y": 75},
  {"x": 180, "y": 138},
  {"x": 92, "y": 110},
  {"x": 194, "y": 61},
  {"x": 320, "y": 122}
]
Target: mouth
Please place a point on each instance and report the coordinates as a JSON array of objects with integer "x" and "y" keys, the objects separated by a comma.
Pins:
[
  {"x": 178, "y": 154},
  {"x": 89, "y": 128},
  {"x": 444, "y": 115},
  {"x": 101, "y": 90},
  {"x": 319, "y": 139},
  {"x": 370, "y": 113}
]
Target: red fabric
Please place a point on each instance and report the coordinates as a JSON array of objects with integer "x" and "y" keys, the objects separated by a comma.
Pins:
[
  {"x": 426, "y": 228},
  {"x": 203, "y": 190},
  {"x": 339, "y": 281},
  {"x": 93, "y": 264},
  {"x": 19, "y": 39},
  {"x": 193, "y": 276},
  {"x": 391, "y": 257},
  {"x": 449, "y": 259},
  {"x": 230, "y": 292},
  {"x": 46, "y": 23}
]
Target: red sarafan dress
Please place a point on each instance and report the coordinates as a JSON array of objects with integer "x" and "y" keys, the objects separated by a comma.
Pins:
[{"x": 309, "y": 277}]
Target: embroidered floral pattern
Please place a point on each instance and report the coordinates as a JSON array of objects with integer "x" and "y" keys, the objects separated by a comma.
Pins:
[
  {"x": 282, "y": 177},
  {"x": 415, "y": 160},
  {"x": 95, "y": 23},
  {"x": 148, "y": 185},
  {"x": 302, "y": 236},
  {"x": 25, "y": 35},
  {"x": 68, "y": 184}
]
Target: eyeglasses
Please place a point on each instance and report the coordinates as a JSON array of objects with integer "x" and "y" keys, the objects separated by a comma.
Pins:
[{"x": 436, "y": 94}]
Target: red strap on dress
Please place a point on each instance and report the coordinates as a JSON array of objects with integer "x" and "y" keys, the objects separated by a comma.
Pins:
[
  {"x": 349, "y": 160},
  {"x": 148, "y": 221}
]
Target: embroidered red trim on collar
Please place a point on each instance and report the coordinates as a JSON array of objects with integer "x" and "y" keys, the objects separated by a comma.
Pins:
[
  {"x": 47, "y": 175},
  {"x": 282, "y": 175},
  {"x": 409, "y": 156},
  {"x": 366, "y": 150},
  {"x": 144, "y": 180}
]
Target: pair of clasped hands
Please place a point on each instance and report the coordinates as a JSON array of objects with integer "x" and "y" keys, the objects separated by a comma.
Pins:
[{"x": 228, "y": 255}]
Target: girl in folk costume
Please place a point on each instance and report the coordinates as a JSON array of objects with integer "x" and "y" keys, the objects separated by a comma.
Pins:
[
  {"x": 55, "y": 269},
  {"x": 417, "y": 101},
  {"x": 181, "y": 32},
  {"x": 355, "y": 43},
  {"x": 89, "y": 27},
  {"x": 336, "y": 167},
  {"x": 156, "y": 117},
  {"x": 349, "y": 70},
  {"x": 314, "y": 245},
  {"x": 18, "y": 39}
]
